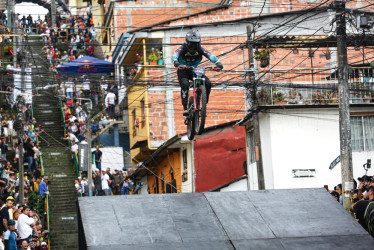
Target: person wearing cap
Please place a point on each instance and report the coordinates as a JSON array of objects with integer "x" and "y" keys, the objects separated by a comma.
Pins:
[
  {"x": 359, "y": 208},
  {"x": 4, "y": 214},
  {"x": 117, "y": 182},
  {"x": 44, "y": 245},
  {"x": 10, "y": 236}
]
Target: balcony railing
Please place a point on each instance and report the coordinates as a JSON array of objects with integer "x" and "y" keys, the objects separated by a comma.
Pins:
[{"x": 323, "y": 90}]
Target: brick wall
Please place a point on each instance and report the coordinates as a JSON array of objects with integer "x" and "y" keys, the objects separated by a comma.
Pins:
[
  {"x": 224, "y": 106},
  {"x": 157, "y": 116}
]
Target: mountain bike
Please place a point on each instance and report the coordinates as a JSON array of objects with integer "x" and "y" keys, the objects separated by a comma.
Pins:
[{"x": 195, "y": 120}]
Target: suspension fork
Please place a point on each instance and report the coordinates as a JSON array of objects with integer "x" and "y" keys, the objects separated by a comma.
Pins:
[
  {"x": 195, "y": 90},
  {"x": 194, "y": 100}
]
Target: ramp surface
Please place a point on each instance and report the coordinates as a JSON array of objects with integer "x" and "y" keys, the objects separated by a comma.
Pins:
[{"x": 270, "y": 219}]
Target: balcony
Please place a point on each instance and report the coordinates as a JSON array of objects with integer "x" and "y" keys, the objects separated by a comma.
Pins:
[{"x": 308, "y": 88}]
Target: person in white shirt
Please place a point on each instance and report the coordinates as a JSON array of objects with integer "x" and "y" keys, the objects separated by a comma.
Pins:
[
  {"x": 93, "y": 31},
  {"x": 110, "y": 103},
  {"x": 74, "y": 149},
  {"x": 17, "y": 82},
  {"x": 10, "y": 129},
  {"x": 86, "y": 87},
  {"x": 105, "y": 183},
  {"x": 28, "y": 84},
  {"x": 71, "y": 137},
  {"x": 25, "y": 224},
  {"x": 69, "y": 85},
  {"x": 72, "y": 118}
]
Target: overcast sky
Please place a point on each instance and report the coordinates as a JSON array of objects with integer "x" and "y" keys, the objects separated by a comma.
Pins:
[{"x": 24, "y": 9}]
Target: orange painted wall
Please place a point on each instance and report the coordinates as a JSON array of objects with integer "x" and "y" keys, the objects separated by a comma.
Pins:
[{"x": 164, "y": 169}]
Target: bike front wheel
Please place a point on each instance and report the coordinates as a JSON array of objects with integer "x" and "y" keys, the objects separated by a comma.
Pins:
[
  {"x": 200, "y": 113},
  {"x": 190, "y": 121}
]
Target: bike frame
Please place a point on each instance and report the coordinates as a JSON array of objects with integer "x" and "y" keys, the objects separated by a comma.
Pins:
[{"x": 196, "y": 82}]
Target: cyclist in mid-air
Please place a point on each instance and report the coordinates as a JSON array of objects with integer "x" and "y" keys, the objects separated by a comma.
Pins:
[{"x": 190, "y": 54}]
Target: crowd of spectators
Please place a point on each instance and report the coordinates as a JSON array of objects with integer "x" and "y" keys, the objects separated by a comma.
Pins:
[
  {"x": 21, "y": 226},
  {"x": 106, "y": 182},
  {"x": 363, "y": 195},
  {"x": 75, "y": 34}
]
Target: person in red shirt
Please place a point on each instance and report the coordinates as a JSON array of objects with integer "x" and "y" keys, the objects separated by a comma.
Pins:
[
  {"x": 91, "y": 49},
  {"x": 10, "y": 51}
]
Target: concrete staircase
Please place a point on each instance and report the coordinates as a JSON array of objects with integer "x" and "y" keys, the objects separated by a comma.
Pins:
[{"x": 57, "y": 162}]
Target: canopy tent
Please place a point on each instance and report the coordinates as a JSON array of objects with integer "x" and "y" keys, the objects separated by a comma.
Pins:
[{"x": 86, "y": 65}]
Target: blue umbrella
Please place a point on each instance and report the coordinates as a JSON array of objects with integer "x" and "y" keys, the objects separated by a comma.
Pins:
[{"x": 86, "y": 65}]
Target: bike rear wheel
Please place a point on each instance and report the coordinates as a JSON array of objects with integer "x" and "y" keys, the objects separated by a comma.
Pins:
[
  {"x": 200, "y": 114},
  {"x": 190, "y": 121}
]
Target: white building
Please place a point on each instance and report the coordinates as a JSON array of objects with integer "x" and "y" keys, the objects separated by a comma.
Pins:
[{"x": 299, "y": 145}]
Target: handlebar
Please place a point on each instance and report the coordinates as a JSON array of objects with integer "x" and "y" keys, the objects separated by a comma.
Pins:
[{"x": 206, "y": 68}]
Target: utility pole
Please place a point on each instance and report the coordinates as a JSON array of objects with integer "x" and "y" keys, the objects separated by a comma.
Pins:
[
  {"x": 53, "y": 13},
  {"x": 20, "y": 146},
  {"x": 251, "y": 95},
  {"x": 11, "y": 14},
  {"x": 20, "y": 120},
  {"x": 89, "y": 169},
  {"x": 344, "y": 109}
]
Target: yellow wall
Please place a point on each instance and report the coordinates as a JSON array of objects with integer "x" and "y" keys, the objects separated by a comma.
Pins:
[
  {"x": 171, "y": 163},
  {"x": 135, "y": 95},
  {"x": 98, "y": 19}
]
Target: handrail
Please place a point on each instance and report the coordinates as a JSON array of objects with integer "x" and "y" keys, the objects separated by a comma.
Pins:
[
  {"x": 75, "y": 162},
  {"x": 62, "y": 114},
  {"x": 46, "y": 204},
  {"x": 75, "y": 157}
]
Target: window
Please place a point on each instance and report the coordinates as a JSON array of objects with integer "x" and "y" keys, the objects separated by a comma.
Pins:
[
  {"x": 142, "y": 105},
  {"x": 134, "y": 123},
  {"x": 362, "y": 133},
  {"x": 252, "y": 147},
  {"x": 185, "y": 169},
  {"x": 157, "y": 190},
  {"x": 163, "y": 183}
]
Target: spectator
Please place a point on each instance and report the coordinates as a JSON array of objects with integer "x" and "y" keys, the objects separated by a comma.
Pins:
[
  {"x": 125, "y": 187},
  {"x": 10, "y": 236},
  {"x": 93, "y": 31},
  {"x": 97, "y": 183},
  {"x": 24, "y": 244},
  {"x": 25, "y": 224},
  {"x": 359, "y": 207},
  {"x": 43, "y": 188},
  {"x": 65, "y": 58},
  {"x": 30, "y": 152},
  {"x": 117, "y": 182},
  {"x": 105, "y": 182},
  {"x": 71, "y": 137},
  {"x": 4, "y": 214},
  {"x": 98, "y": 157},
  {"x": 338, "y": 189},
  {"x": 69, "y": 85},
  {"x": 110, "y": 180},
  {"x": 3, "y": 148},
  {"x": 74, "y": 149},
  {"x": 110, "y": 103},
  {"x": 86, "y": 87}
]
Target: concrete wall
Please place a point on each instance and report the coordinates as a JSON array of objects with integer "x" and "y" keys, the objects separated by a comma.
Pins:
[
  {"x": 303, "y": 139},
  {"x": 241, "y": 185}
]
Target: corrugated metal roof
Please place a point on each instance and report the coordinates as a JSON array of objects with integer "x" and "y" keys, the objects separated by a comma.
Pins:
[{"x": 267, "y": 219}]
